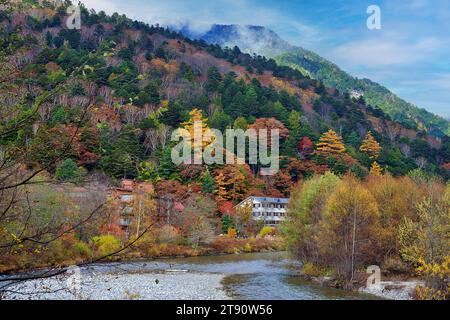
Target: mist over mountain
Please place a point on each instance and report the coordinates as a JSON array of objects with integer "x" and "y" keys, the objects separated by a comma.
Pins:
[{"x": 263, "y": 41}]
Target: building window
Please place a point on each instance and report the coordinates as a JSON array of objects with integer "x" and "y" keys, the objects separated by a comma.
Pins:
[{"x": 126, "y": 197}]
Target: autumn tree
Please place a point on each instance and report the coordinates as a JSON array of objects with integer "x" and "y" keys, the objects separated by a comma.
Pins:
[
  {"x": 376, "y": 169},
  {"x": 243, "y": 219},
  {"x": 200, "y": 233},
  {"x": 426, "y": 237},
  {"x": 306, "y": 205},
  {"x": 330, "y": 144},
  {"x": 371, "y": 146},
  {"x": 198, "y": 125},
  {"x": 270, "y": 124},
  {"x": 305, "y": 147},
  {"x": 221, "y": 190},
  {"x": 396, "y": 198},
  {"x": 144, "y": 207},
  {"x": 349, "y": 228}
]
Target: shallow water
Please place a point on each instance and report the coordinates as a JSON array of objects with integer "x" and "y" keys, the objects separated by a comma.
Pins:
[{"x": 253, "y": 276}]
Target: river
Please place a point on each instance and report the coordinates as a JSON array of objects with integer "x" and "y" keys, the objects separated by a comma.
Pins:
[{"x": 253, "y": 276}]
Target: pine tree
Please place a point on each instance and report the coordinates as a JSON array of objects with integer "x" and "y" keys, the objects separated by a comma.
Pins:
[
  {"x": 376, "y": 170},
  {"x": 330, "y": 144},
  {"x": 371, "y": 146},
  {"x": 208, "y": 183}
]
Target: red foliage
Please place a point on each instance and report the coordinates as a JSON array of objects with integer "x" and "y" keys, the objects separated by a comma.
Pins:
[
  {"x": 226, "y": 208},
  {"x": 282, "y": 182},
  {"x": 298, "y": 169},
  {"x": 305, "y": 147},
  {"x": 173, "y": 187},
  {"x": 190, "y": 172},
  {"x": 79, "y": 141},
  {"x": 270, "y": 124},
  {"x": 195, "y": 187}
]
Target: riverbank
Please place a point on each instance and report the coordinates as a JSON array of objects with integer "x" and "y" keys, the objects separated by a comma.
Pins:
[
  {"x": 394, "y": 290},
  {"x": 247, "y": 276},
  {"x": 123, "y": 286},
  {"x": 388, "y": 289},
  {"x": 142, "y": 251}
]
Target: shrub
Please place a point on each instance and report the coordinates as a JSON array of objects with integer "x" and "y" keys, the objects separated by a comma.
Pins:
[
  {"x": 232, "y": 234},
  {"x": 106, "y": 244},
  {"x": 436, "y": 277},
  {"x": 168, "y": 234},
  {"x": 394, "y": 265},
  {"x": 310, "y": 270},
  {"x": 267, "y": 231},
  {"x": 83, "y": 249}
]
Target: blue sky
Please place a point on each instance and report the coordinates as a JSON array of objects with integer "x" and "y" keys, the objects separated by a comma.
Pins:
[{"x": 410, "y": 54}]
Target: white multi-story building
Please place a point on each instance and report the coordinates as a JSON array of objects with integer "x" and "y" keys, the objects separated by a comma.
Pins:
[{"x": 270, "y": 210}]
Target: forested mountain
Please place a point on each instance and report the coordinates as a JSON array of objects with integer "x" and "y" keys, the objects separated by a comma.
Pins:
[
  {"x": 108, "y": 96},
  {"x": 260, "y": 40},
  {"x": 81, "y": 109}
]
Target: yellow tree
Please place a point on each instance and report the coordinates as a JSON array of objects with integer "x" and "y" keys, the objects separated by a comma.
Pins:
[
  {"x": 198, "y": 123},
  {"x": 221, "y": 190},
  {"x": 376, "y": 170},
  {"x": 349, "y": 229},
  {"x": 371, "y": 146},
  {"x": 330, "y": 144}
]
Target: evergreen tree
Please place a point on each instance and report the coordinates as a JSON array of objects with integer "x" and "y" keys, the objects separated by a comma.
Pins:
[
  {"x": 227, "y": 224},
  {"x": 220, "y": 120},
  {"x": 174, "y": 115},
  {"x": 67, "y": 171},
  {"x": 240, "y": 123},
  {"x": 294, "y": 126},
  {"x": 214, "y": 79},
  {"x": 166, "y": 167},
  {"x": 208, "y": 184},
  {"x": 353, "y": 139}
]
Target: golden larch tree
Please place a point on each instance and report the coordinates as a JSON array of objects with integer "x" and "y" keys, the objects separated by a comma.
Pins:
[
  {"x": 221, "y": 190},
  {"x": 376, "y": 170},
  {"x": 198, "y": 122},
  {"x": 330, "y": 144},
  {"x": 371, "y": 146}
]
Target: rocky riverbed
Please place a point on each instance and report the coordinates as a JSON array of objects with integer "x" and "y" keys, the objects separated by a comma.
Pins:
[
  {"x": 110, "y": 286},
  {"x": 394, "y": 290},
  {"x": 253, "y": 276}
]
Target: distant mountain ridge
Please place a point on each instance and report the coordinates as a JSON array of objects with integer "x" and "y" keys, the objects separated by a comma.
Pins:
[{"x": 263, "y": 41}]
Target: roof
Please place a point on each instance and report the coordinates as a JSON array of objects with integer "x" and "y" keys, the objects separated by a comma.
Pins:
[
  {"x": 269, "y": 199},
  {"x": 266, "y": 199}
]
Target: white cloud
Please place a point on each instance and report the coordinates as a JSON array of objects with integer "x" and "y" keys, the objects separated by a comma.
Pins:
[
  {"x": 200, "y": 15},
  {"x": 385, "y": 52}
]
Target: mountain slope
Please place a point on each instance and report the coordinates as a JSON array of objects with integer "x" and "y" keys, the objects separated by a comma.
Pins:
[
  {"x": 260, "y": 40},
  {"x": 117, "y": 88}
]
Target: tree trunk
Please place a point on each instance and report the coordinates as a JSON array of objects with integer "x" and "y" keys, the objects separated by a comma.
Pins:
[{"x": 353, "y": 244}]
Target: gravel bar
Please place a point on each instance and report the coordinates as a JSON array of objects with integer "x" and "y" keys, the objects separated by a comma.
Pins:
[{"x": 137, "y": 286}]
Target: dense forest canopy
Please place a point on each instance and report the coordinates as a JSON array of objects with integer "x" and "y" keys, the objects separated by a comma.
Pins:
[{"x": 140, "y": 82}]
